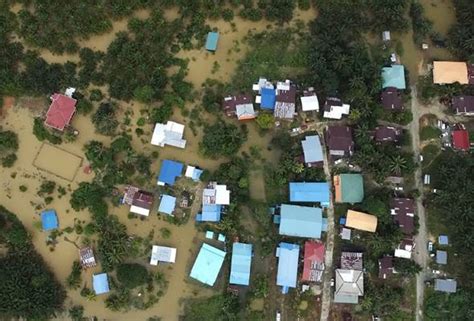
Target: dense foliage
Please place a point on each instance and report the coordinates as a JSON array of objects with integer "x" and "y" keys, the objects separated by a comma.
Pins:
[
  {"x": 104, "y": 119},
  {"x": 221, "y": 307},
  {"x": 461, "y": 36},
  {"x": 222, "y": 139},
  {"x": 8, "y": 147},
  {"x": 132, "y": 275},
  {"x": 449, "y": 306}
]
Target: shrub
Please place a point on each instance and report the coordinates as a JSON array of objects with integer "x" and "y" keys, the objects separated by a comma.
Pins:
[
  {"x": 227, "y": 14},
  {"x": 9, "y": 160},
  {"x": 429, "y": 132},
  {"x": 104, "y": 119},
  {"x": 46, "y": 187},
  {"x": 84, "y": 106},
  {"x": 265, "y": 120},
  {"x": 42, "y": 133},
  {"x": 132, "y": 275},
  {"x": 96, "y": 95},
  {"x": 74, "y": 279},
  {"x": 222, "y": 139}
]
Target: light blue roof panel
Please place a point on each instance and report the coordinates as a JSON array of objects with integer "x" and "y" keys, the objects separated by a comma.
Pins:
[
  {"x": 211, "y": 213},
  {"x": 167, "y": 204},
  {"x": 211, "y": 41},
  {"x": 394, "y": 76},
  {"x": 49, "y": 220},
  {"x": 442, "y": 257},
  {"x": 310, "y": 192},
  {"x": 301, "y": 221},
  {"x": 208, "y": 264},
  {"x": 288, "y": 255},
  {"x": 241, "y": 262},
  {"x": 443, "y": 240},
  {"x": 312, "y": 150},
  {"x": 100, "y": 283}
]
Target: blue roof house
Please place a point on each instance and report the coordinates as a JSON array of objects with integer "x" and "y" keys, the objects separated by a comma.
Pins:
[
  {"x": 211, "y": 41},
  {"x": 241, "y": 262},
  {"x": 443, "y": 240},
  {"x": 167, "y": 204},
  {"x": 301, "y": 221},
  {"x": 310, "y": 192},
  {"x": 268, "y": 98},
  {"x": 394, "y": 76},
  {"x": 210, "y": 213},
  {"x": 441, "y": 257},
  {"x": 100, "y": 283},
  {"x": 169, "y": 171},
  {"x": 288, "y": 255},
  {"x": 49, "y": 220},
  {"x": 312, "y": 150},
  {"x": 208, "y": 264}
]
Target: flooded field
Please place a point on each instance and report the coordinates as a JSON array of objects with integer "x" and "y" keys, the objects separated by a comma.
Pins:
[{"x": 57, "y": 161}]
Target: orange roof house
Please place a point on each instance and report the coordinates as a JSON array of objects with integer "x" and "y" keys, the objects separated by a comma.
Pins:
[
  {"x": 449, "y": 72},
  {"x": 361, "y": 221}
]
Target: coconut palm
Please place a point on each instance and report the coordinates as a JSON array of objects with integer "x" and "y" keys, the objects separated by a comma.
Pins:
[{"x": 397, "y": 164}]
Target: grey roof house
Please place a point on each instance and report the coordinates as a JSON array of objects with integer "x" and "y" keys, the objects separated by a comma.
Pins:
[
  {"x": 445, "y": 285},
  {"x": 285, "y": 105},
  {"x": 312, "y": 151},
  {"x": 441, "y": 257},
  {"x": 349, "y": 286}
]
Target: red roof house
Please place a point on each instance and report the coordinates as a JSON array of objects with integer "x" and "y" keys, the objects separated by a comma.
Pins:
[
  {"x": 461, "y": 139},
  {"x": 313, "y": 261},
  {"x": 60, "y": 112}
]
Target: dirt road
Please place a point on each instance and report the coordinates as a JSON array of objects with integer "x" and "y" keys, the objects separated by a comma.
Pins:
[{"x": 328, "y": 273}]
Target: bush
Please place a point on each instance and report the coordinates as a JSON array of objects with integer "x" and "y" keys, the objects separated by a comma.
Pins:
[
  {"x": 251, "y": 14},
  {"x": 429, "y": 132},
  {"x": 42, "y": 133},
  {"x": 74, "y": 279},
  {"x": 227, "y": 14},
  {"x": 96, "y": 95},
  {"x": 265, "y": 120},
  {"x": 104, "y": 119},
  {"x": 46, "y": 187},
  {"x": 132, "y": 275},
  {"x": 9, "y": 160},
  {"x": 221, "y": 139},
  {"x": 84, "y": 106}
]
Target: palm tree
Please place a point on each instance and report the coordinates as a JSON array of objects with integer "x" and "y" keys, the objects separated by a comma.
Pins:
[{"x": 397, "y": 164}]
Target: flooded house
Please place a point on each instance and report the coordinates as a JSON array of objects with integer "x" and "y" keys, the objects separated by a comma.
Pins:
[
  {"x": 313, "y": 262},
  {"x": 287, "y": 273},
  {"x": 167, "y": 204},
  {"x": 450, "y": 72},
  {"x": 170, "y": 134},
  {"x": 60, "y": 111},
  {"x": 387, "y": 134},
  {"x": 349, "y": 279},
  {"x": 240, "y": 106},
  {"x": 441, "y": 257},
  {"x": 86, "y": 256},
  {"x": 169, "y": 172},
  {"x": 214, "y": 197},
  {"x": 394, "y": 76},
  {"x": 391, "y": 99},
  {"x": 361, "y": 221},
  {"x": 141, "y": 202},
  {"x": 193, "y": 173},
  {"x": 334, "y": 108},
  {"x": 208, "y": 264},
  {"x": 100, "y": 283},
  {"x": 240, "y": 263},
  {"x": 312, "y": 151},
  {"x": 310, "y": 192},
  {"x": 49, "y": 220},
  {"x": 285, "y": 100},
  {"x": 301, "y": 221},
  {"x": 340, "y": 142},
  {"x": 386, "y": 267},
  {"x": 309, "y": 100},
  {"x": 163, "y": 254},
  {"x": 211, "y": 41},
  {"x": 463, "y": 105},
  {"x": 349, "y": 188}
]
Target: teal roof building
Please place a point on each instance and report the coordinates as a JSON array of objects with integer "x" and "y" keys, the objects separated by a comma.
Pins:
[
  {"x": 241, "y": 262},
  {"x": 211, "y": 41},
  {"x": 301, "y": 221},
  {"x": 394, "y": 76},
  {"x": 349, "y": 188},
  {"x": 208, "y": 264}
]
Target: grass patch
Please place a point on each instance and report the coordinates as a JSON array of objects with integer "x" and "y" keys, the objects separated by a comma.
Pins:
[{"x": 429, "y": 132}]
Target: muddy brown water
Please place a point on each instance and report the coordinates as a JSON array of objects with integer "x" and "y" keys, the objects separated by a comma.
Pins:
[{"x": 187, "y": 239}]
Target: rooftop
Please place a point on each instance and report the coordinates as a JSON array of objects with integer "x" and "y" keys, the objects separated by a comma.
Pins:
[
  {"x": 387, "y": 134},
  {"x": 339, "y": 140},
  {"x": 351, "y": 260},
  {"x": 208, "y": 264},
  {"x": 441, "y": 257},
  {"x": 86, "y": 255},
  {"x": 349, "y": 286},
  {"x": 193, "y": 172},
  {"x": 445, "y": 285},
  {"x": 443, "y": 240},
  {"x": 268, "y": 98},
  {"x": 310, "y": 192},
  {"x": 288, "y": 255},
  {"x": 169, "y": 171},
  {"x": 461, "y": 139},
  {"x": 170, "y": 133},
  {"x": 60, "y": 111},
  {"x": 100, "y": 283},
  {"x": 301, "y": 221},
  {"x": 142, "y": 202},
  {"x": 162, "y": 254},
  {"x": 167, "y": 204},
  {"x": 391, "y": 99},
  {"x": 403, "y": 211},
  {"x": 49, "y": 220},
  {"x": 449, "y": 72},
  {"x": 349, "y": 188},
  {"x": 394, "y": 76},
  {"x": 312, "y": 150},
  {"x": 241, "y": 263},
  {"x": 211, "y": 41},
  {"x": 361, "y": 221},
  {"x": 385, "y": 267},
  {"x": 313, "y": 265},
  {"x": 335, "y": 109},
  {"x": 463, "y": 104},
  {"x": 309, "y": 101}
]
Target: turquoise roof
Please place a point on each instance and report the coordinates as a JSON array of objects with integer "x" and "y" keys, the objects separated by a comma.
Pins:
[
  {"x": 352, "y": 188},
  {"x": 301, "y": 221},
  {"x": 100, "y": 283},
  {"x": 310, "y": 192},
  {"x": 49, "y": 220},
  {"x": 394, "y": 76},
  {"x": 211, "y": 41},
  {"x": 167, "y": 204},
  {"x": 241, "y": 262},
  {"x": 208, "y": 264}
]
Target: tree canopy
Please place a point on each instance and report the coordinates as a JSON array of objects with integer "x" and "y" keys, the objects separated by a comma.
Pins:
[{"x": 222, "y": 139}]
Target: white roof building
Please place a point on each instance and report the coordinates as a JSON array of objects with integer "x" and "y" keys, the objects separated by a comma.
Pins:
[
  {"x": 336, "y": 112},
  {"x": 216, "y": 194},
  {"x": 310, "y": 103},
  {"x": 162, "y": 254},
  {"x": 262, "y": 83},
  {"x": 170, "y": 133}
]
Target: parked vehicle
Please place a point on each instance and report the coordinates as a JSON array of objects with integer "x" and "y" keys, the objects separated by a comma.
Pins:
[
  {"x": 278, "y": 316},
  {"x": 430, "y": 246}
]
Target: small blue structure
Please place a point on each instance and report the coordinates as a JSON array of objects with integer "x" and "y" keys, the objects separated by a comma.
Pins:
[
  {"x": 301, "y": 221},
  {"x": 210, "y": 235},
  {"x": 211, "y": 41},
  {"x": 193, "y": 173},
  {"x": 394, "y": 76},
  {"x": 288, "y": 255},
  {"x": 49, "y": 220},
  {"x": 210, "y": 213},
  {"x": 169, "y": 171},
  {"x": 100, "y": 283},
  {"x": 268, "y": 98},
  {"x": 208, "y": 264},
  {"x": 310, "y": 192},
  {"x": 324, "y": 227},
  {"x": 167, "y": 204},
  {"x": 241, "y": 262},
  {"x": 221, "y": 237},
  {"x": 441, "y": 257},
  {"x": 342, "y": 220},
  {"x": 443, "y": 240},
  {"x": 312, "y": 150},
  {"x": 276, "y": 219}
]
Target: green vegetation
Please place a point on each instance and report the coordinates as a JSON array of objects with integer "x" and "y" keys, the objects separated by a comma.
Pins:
[
  {"x": 406, "y": 267},
  {"x": 76, "y": 313},
  {"x": 84, "y": 106},
  {"x": 393, "y": 13},
  {"x": 47, "y": 187},
  {"x": 132, "y": 275},
  {"x": 74, "y": 279},
  {"x": 429, "y": 132},
  {"x": 221, "y": 307},
  {"x": 29, "y": 289},
  {"x": 453, "y": 306},
  {"x": 104, "y": 119},
  {"x": 8, "y": 147},
  {"x": 384, "y": 301},
  {"x": 265, "y": 121},
  {"x": 42, "y": 133},
  {"x": 462, "y": 33},
  {"x": 222, "y": 139},
  {"x": 421, "y": 25}
]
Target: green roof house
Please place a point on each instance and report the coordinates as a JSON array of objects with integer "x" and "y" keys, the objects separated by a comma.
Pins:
[
  {"x": 394, "y": 76},
  {"x": 349, "y": 188}
]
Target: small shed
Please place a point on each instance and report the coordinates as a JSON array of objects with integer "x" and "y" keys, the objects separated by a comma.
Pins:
[
  {"x": 49, "y": 220},
  {"x": 100, "y": 283},
  {"x": 443, "y": 240},
  {"x": 211, "y": 41},
  {"x": 221, "y": 237},
  {"x": 441, "y": 257},
  {"x": 162, "y": 254},
  {"x": 167, "y": 204},
  {"x": 386, "y": 36},
  {"x": 193, "y": 172},
  {"x": 346, "y": 234}
]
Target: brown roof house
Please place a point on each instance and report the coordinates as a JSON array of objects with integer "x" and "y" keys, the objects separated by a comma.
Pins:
[
  {"x": 392, "y": 99},
  {"x": 285, "y": 103},
  {"x": 339, "y": 141},
  {"x": 385, "y": 134},
  {"x": 386, "y": 267},
  {"x": 87, "y": 257},
  {"x": 403, "y": 212},
  {"x": 240, "y": 106},
  {"x": 470, "y": 74},
  {"x": 349, "y": 279},
  {"x": 463, "y": 105},
  {"x": 141, "y": 202},
  {"x": 450, "y": 72}
]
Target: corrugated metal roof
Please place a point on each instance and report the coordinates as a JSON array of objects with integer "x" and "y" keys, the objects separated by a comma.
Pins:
[
  {"x": 441, "y": 257},
  {"x": 351, "y": 188},
  {"x": 100, "y": 283},
  {"x": 241, "y": 262},
  {"x": 301, "y": 221},
  {"x": 448, "y": 285},
  {"x": 394, "y": 76},
  {"x": 167, "y": 204},
  {"x": 268, "y": 98},
  {"x": 310, "y": 192},
  {"x": 169, "y": 171},
  {"x": 312, "y": 150},
  {"x": 211, "y": 41},
  {"x": 361, "y": 221},
  {"x": 208, "y": 264},
  {"x": 288, "y": 255}
]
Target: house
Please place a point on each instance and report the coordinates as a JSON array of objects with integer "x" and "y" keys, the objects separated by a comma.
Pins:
[
  {"x": 385, "y": 267},
  {"x": 392, "y": 99},
  {"x": 87, "y": 258},
  {"x": 208, "y": 264},
  {"x": 170, "y": 133},
  {"x": 403, "y": 212},
  {"x": 385, "y": 134},
  {"x": 361, "y": 221},
  {"x": 162, "y": 254},
  {"x": 167, "y": 204},
  {"x": 310, "y": 192},
  {"x": 285, "y": 100},
  {"x": 405, "y": 248},
  {"x": 443, "y": 240},
  {"x": 241, "y": 263},
  {"x": 386, "y": 36},
  {"x": 268, "y": 98},
  {"x": 288, "y": 256},
  {"x": 351, "y": 261},
  {"x": 211, "y": 41},
  {"x": 394, "y": 76},
  {"x": 169, "y": 171},
  {"x": 313, "y": 264},
  {"x": 445, "y": 285},
  {"x": 312, "y": 151},
  {"x": 240, "y": 106},
  {"x": 214, "y": 196},
  {"x": 100, "y": 283},
  {"x": 309, "y": 100},
  {"x": 141, "y": 202},
  {"x": 470, "y": 73},
  {"x": 262, "y": 83},
  {"x": 461, "y": 139},
  {"x": 334, "y": 108},
  {"x": 339, "y": 141},
  {"x": 349, "y": 188},
  {"x": 301, "y": 221},
  {"x": 349, "y": 286},
  {"x": 450, "y": 72},
  {"x": 345, "y": 233},
  {"x": 463, "y": 105},
  {"x": 441, "y": 257},
  {"x": 49, "y": 220},
  {"x": 193, "y": 172},
  {"x": 60, "y": 111}
]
